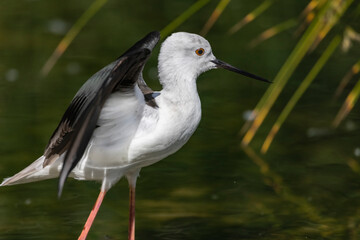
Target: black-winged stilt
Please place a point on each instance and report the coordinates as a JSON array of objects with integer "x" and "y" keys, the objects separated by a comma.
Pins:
[{"x": 116, "y": 124}]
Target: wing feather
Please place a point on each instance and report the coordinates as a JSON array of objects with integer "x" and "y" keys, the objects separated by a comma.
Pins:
[{"x": 79, "y": 121}]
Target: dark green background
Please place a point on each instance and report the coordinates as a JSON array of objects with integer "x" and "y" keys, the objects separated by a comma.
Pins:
[{"x": 210, "y": 189}]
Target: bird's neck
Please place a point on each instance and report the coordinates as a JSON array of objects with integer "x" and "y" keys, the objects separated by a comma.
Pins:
[
  {"x": 180, "y": 92},
  {"x": 179, "y": 84},
  {"x": 179, "y": 108}
]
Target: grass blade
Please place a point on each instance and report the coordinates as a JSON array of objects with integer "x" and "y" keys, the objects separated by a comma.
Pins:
[
  {"x": 348, "y": 105},
  {"x": 71, "y": 34},
  {"x": 287, "y": 70},
  {"x": 333, "y": 16},
  {"x": 300, "y": 91},
  {"x": 313, "y": 4},
  {"x": 183, "y": 17},
  {"x": 251, "y": 16},
  {"x": 214, "y": 16},
  {"x": 273, "y": 31},
  {"x": 308, "y": 14},
  {"x": 350, "y": 36},
  {"x": 346, "y": 79}
]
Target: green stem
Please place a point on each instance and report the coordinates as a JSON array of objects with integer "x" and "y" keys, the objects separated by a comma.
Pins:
[
  {"x": 71, "y": 34},
  {"x": 183, "y": 17},
  {"x": 300, "y": 90}
]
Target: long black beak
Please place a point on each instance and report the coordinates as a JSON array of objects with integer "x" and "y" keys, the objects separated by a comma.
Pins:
[{"x": 221, "y": 64}]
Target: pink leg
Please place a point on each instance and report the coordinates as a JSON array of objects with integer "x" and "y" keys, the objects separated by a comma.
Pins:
[
  {"x": 92, "y": 216},
  {"x": 132, "y": 213}
]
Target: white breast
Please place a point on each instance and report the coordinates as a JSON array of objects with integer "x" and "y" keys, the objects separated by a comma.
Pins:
[{"x": 165, "y": 131}]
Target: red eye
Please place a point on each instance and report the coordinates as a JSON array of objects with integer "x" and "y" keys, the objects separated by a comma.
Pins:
[{"x": 200, "y": 51}]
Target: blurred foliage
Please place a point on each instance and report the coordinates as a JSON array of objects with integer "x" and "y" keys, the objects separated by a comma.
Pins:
[
  {"x": 306, "y": 187},
  {"x": 319, "y": 16},
  {"x": 322, "y": 16}
]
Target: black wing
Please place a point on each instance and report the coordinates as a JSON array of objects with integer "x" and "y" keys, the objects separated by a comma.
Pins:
[{"x": 79, "y": 121}]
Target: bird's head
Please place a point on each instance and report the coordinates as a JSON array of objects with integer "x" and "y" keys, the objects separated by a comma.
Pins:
[{"x": 190, "y": 54}]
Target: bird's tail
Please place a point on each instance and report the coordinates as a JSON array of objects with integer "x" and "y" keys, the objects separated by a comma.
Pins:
[{"x": 33, "y": 172}]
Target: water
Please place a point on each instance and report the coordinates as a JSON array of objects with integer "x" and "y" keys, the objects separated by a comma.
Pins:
[{"x": 305, "y": 187}]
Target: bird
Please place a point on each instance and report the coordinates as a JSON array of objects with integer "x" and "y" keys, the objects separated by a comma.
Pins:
[{"x": 116, "y": 124}]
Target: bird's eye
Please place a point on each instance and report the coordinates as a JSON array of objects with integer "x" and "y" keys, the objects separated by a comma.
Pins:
[{"x": 200, "y": 51}]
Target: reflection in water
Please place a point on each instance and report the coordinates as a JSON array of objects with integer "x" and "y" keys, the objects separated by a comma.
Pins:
[{"x": 305, "y": 187}]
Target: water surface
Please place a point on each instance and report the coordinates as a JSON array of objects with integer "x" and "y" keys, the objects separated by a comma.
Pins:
[{"x": 305, "y": 187}]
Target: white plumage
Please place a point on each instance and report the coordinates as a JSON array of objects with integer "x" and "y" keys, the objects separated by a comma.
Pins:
[{"x": 131, "y": 134}]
